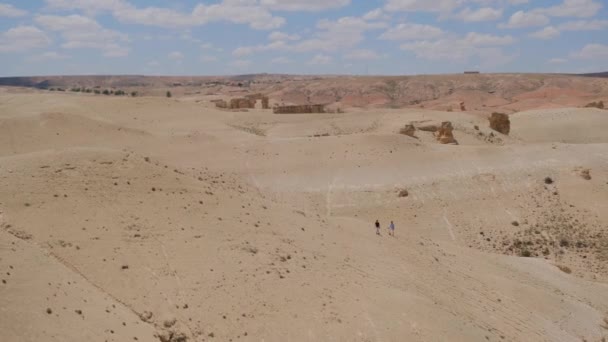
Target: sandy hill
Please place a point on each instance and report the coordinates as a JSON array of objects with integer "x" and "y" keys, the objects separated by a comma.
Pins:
[{"x": 156, "y": 219}]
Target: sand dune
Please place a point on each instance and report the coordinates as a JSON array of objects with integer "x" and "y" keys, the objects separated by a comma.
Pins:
[{"x": 168, "y": 220}]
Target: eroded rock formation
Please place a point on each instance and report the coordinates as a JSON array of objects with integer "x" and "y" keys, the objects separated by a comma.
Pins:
[
  {"x": 445, "y": 133},
  {"x": 500, "y": 122}
]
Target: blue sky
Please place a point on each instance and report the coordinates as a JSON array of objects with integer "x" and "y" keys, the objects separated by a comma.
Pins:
[{"x": 224, "y": 37}]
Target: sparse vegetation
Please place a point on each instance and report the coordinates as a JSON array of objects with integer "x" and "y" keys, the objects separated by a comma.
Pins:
[
  {"x": 133, "y": 94},
  {"x": 548, "y": 180},
  {"x": 525, "y": 253},
  {"x": 564, "y": 269},
  {"x": 106, "y": 92}
]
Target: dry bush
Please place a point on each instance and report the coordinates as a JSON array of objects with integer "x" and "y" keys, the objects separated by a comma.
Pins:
[{"x": 564, "y": 269}]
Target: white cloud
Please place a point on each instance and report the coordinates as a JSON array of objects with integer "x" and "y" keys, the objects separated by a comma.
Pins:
[
  {"x": 522, "y": 19},
  {"x": 480, "y": 14},
  {"x": 335, "y": 35},
  {"x": 49, "y": 56},
  {"x": 153, "y": 64},
  {"x": 8, "y": 10},
  {"x": 280, "y": 60},
  {"x": 484, "y": 47},
  {"x": 175, "y": 55},
  {"x": 244, "y": 51},
  {"x": 88, "y": 6},
  {"x": 377, "y": 14},
  {"x": 557, "y": 60},
  {"x": 236, "y": 11},
  {"x": 362, "y": 54},
  {"x": 548, "y": 32},
  {"x": 241, "y": 63},
  {"x": 303, "y": 5},
  {"x": 320, "y": 59},
  {"x": 80, "y": 32},
  {"x": 208, "y": 58},
  {"x": 23, "y": 38},
  {"x": 421, "y": 5},
  {"x": 592, "y": 51},
  {"x": 281, "y": 36},
  {"x": 480, "y": 39},
  {"x": 412, "y": 32},
  {"x": 572, "y": 8},
  {"x": 584, "y": 25}
]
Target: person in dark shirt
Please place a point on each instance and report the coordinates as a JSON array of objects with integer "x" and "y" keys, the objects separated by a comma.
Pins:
[{"x": 377, "y": 227}]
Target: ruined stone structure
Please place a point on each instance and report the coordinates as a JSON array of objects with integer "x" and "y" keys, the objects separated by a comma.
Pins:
[
  {"x": 265, "y": 103},
  {"x": 220, "y": 103},
  {"x": 500, "y": 122},
  {"x": 303, "y": 109},
  {"x": 242, "y": 103},
  {"x": 444, "y": 134},
  {"x": 258, "y": 96}
]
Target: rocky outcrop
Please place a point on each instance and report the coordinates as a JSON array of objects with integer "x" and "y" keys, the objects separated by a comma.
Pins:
[
  {"x": 304, "y": 109},
  {"x": 408, "y": 130},
  {"x": 500, "y": 122},
  {"x": 428, "y": 127},
  {"x": 445, "y": 133}
]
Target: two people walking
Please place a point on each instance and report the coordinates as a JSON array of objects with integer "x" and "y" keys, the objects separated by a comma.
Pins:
[{"x": 391, "y": 228}]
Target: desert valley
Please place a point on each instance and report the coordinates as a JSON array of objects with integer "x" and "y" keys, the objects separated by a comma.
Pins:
[{"x": 166, "y": 215}]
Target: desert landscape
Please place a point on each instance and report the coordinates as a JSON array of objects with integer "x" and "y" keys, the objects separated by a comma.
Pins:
[{"x": 162, "y": 213}]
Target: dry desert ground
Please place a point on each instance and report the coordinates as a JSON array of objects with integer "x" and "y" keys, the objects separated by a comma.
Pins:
[{"x": 167, "y": 219}]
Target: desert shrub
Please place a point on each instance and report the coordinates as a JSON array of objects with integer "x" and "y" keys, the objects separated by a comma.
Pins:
[
  {"x": 96, "y": 91},
  {"x": 403, "y": 193},
  {"x": 133, "y": 93},
  {"x": 76, "y": 90},
  {"x": 564, "y": 269},
  {"x": 564, "y": 242},
  {"x": 548, "y": 180},
  {"x": 525, "y": 253},
  {"x": 168, "y": 94},
  {"x": 52, "y": 89},
  {"x": 106, "y": 92},
  {"x": 60, "y": 89},
  {"x": 119, "y": 92},
  {"x": 88, "y": 90}
]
